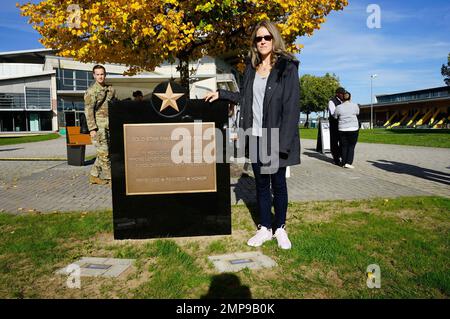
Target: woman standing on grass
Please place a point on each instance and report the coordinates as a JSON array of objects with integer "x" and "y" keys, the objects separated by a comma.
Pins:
[
  {"x": 269, "y": 99},
  {"x": 347, "y": 113}
]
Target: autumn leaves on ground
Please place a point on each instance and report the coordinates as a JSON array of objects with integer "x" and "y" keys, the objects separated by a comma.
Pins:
[{"x": 333, "y": 243}]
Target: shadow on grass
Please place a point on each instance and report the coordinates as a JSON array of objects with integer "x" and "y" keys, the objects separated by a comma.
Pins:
[
  {"x": 227, "y": 286},
  {"x": 413, "y": 170}
]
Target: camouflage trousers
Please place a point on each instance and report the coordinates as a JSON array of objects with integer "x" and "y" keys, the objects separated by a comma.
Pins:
[{"x": 102, "y": 165}]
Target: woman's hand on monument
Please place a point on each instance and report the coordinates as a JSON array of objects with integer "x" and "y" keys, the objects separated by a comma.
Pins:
[
  {"x": 93, "y": 133},
  {"x": 211, "y": 97}
]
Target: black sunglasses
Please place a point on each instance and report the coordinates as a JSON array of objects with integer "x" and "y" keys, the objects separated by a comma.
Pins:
[{"x": 266, "y": 37}]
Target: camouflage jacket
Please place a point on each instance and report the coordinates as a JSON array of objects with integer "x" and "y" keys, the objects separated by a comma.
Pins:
[{"x": 96, "y": 101}]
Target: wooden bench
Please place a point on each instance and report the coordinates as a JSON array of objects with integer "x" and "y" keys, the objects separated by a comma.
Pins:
[
  {"x": 76, "y": 145},
  {"x": 74, "y": 137}
]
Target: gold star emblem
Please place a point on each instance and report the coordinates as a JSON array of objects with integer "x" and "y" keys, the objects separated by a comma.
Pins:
[{"x": 169, "y": 99}]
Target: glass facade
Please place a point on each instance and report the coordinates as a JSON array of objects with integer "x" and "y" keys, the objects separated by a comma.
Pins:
[
  {"x": 22, "y": 121},
  {"x": 12, "y": 101},
  {"x": 68, "y": 108},
  {"x": 27, "y": 111},
  {"x": 70, "y": 104},
  {"x": 73, "y": 80},
  {"x": 38, "y": 99},
  {"x": 35, "y": 99},
  {"x": 417, "y": 95}
]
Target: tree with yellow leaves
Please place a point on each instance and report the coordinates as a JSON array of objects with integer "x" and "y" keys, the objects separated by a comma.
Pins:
[{"x": 142, "y": 34}]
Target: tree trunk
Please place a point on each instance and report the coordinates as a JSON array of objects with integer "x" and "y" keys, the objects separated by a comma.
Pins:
[
  {"x": 307, "y": 120},
  {"x": 183, "y": 68}
]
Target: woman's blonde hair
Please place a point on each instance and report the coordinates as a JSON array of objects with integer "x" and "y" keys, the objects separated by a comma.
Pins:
[{"x": 278, "y": 46}]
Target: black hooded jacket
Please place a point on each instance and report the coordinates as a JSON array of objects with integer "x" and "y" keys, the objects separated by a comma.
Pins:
[{"x": 281, "y": 106}]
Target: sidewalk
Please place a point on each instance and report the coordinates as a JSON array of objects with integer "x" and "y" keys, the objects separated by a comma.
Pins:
[
  {"x": 381, "y": 171},
  {"x": 45, "y": 150}
]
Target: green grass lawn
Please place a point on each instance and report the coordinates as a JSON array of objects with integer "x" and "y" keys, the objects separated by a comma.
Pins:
[
  {"x": 431, "y": 138},
  {"x": 4, "y": 140},
  {"x": 333, "y": 243}
]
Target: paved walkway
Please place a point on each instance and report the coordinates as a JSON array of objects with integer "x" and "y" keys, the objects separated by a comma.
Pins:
[
  {"x": 52, "y": 149},
  {"x": 381, "y": 171}
]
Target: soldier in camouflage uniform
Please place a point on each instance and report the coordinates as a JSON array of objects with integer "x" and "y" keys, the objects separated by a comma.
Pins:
[{"x": 96, "y": 101}]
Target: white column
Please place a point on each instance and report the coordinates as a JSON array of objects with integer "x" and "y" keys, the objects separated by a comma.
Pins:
[{"x": 54, "y": 102}]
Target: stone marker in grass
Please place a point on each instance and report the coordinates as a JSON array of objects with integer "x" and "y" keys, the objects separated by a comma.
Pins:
[
  {"x": 238, "y": 261},
  {"x": 98, "y": 267}
]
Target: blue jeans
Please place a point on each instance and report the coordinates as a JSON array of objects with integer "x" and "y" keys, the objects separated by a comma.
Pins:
[{"x": 264, "y": 196}]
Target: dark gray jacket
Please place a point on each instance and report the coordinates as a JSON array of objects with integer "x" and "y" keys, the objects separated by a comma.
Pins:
[{"x": 281, "y": 106}]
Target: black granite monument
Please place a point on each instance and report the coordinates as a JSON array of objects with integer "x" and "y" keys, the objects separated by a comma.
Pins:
[{"x": 153, "y": 196}]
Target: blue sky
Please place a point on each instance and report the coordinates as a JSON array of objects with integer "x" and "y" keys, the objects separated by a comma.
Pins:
[{"x": 406, "y": 52}]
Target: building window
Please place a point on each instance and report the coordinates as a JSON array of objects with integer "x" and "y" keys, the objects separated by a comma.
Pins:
[
  {"x": 70, "y": 104},
  {"x": 12, "y": 101},
  {"x": 38, "y": 99},
  {"x": 70, "y": 109},
  {"x": 33, "y": 99},
  {"x": 73, "y": 80}
]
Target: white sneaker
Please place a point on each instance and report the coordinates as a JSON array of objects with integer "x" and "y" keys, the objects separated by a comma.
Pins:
[
  {"x": 349, "y": 166},
  {"x": 262, "y": 235},
  {"x": 282, "y": 239}
]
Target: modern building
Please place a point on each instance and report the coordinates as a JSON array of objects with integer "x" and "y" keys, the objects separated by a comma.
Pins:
[
  {"x": 428, "y": 108},
  {"x": 40, "y": 91}
]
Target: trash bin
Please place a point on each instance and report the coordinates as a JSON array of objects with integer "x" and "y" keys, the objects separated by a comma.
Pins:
[{"x": 75, "y": 154}]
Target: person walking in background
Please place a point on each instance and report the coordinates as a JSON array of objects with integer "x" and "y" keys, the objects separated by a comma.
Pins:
[
  {"x": 347, "y": 116},
  {"x": 269, "y": 99},
  {"x": 96, "y": 101},
  {"x": 335, "y": 143}
]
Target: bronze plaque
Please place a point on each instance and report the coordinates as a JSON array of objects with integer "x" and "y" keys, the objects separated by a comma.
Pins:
[{"x": 169, "y": 158}]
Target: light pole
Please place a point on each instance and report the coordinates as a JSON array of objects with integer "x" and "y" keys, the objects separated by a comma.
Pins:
[{"x": 373, "y": 76}]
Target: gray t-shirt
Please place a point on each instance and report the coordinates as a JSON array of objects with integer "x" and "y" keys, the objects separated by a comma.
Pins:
[
  {"x": 346, "y": 113},
  {"x": 259, "y": 89}
]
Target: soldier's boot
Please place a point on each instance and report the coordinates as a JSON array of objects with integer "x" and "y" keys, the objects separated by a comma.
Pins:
[{"x": 97, "y": 180}]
